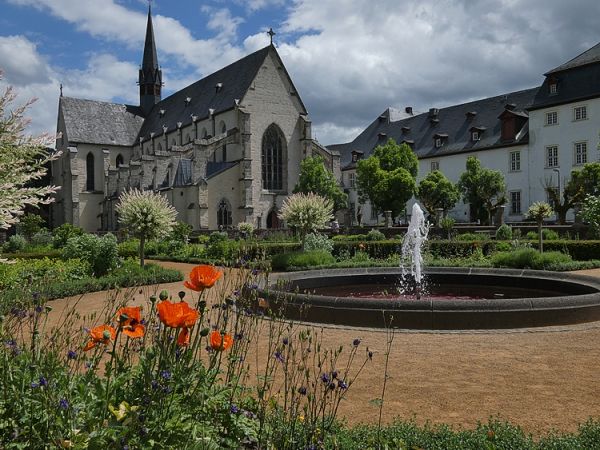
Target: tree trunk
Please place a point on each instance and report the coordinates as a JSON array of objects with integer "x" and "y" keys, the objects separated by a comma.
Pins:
[
  {"x": 540, "y": 238},
  {"x": 142, "y": 242}
]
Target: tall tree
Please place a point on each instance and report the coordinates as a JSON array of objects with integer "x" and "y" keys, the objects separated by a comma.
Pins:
[
  {"x": 315, "y": 178},
  {"x": 436, "y": 191},
  {"x": 23, "y": 159},
  {"x": 387, "y": 177},
  {"x": 484, "y": 189}
]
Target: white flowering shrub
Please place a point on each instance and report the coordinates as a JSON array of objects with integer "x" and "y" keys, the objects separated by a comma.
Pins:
[
  {"x": 246, "y": 229},
  {"x": 306, "y": 213},
  {"x": 591, "y": 213},
  {"x": 539, "y": 211},
  {"x": 318, "y": 241},
  {"x": 146, "y": 215},
  {"x": 22, "y": 159}
]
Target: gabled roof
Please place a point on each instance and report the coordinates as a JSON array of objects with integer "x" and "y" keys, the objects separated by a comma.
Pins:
[
  {"x": 94, "y": 122},
  {"x": 588, "y": 57},
  {"x": 183, "y": 175},
  {"x": 235, "y": 80},
  {"x": 215, "y": 168},
  {"x": 453, "y": 121}
]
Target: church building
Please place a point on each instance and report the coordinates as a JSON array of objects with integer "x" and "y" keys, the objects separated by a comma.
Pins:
[{"x": 224, "y": 150}]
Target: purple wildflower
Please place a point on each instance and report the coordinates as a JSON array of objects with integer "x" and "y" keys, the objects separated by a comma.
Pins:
[
  {"x": 302, "y": 390},
  {"x": 334, "y": 374},
  {"x": 285, "y": 341},
  {"x": 43, "y": 382},
  {"x": 63, "y": 404},
  {"x": 278, "y": 356},
  {"x": 165, "y": 374},
  {"x": 325, "y": 378},
  {"x": 342, "y": 384},
  {"x": 331, "y": 386},
  {"x": 234, "y": 409},
  {"x": 72, "y": 354}
]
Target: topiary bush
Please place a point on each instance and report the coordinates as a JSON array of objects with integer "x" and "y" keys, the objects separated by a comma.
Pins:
[
  {"x": 375, "y": 235},
  {"x": 100, "y": 253},
  {"x": 472, "y": 237},
  {"x": 302, "y": 260},
  {"x": 504, "y": 233},
  {"x": 317, "y": 241},
  {"x": 547, "y": 234}
]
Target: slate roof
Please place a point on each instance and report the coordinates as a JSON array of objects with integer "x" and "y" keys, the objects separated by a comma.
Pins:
[
  {"x": 588, "y": 57},
  {"x": 150, "y": 59},
  {"x": 183, "y": 175},
  {"x": 94, "y": 122},
  {"x": 453, "y": 121},
  {"x": 236, "y": 80},
  {"x": 215, "y": 168}
]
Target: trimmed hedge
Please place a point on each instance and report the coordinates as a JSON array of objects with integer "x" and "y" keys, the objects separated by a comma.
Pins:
[
  {"x": 52, "y": 254},
  {"x": 301, "y": 260}
]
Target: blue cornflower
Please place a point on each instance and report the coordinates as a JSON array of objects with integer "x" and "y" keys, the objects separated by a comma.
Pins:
[
  {"x": 154, "y": 384},
  {"x": 35, "y": 385},
  {"x": 342, "y": 384},
  {"x": 234, "y": 409},
  {"x": 63, "y": 404},
  {"x": 278, "y": 356},
  {"x": 325, "y": 378},
  {"x": 72, "y": 354},
  {"x": 165, "y": 374},
  {"x": 43, "y": 381},
  {"x": 39, "y": 309}
]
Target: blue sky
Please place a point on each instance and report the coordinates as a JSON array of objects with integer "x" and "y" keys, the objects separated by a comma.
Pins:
[{"x": 350, "y": 59}]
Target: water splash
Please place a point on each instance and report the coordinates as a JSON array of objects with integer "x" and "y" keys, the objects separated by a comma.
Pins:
[{"x": 412, "y": 257}]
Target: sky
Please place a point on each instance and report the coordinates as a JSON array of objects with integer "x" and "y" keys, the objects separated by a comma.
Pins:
[{"x": 349, "y": 59}]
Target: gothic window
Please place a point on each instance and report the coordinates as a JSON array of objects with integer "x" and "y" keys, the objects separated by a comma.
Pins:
[
  {"x": 90, "y": 182},
  {"x": 119, "y": 160},
  {"x": 272, "y": 159},
  {"x": 159, "y": 148},
  {"x": 223, "y": 127},
  {"x": 204, "y": 133},
  {"x": 224, "y": 214}
]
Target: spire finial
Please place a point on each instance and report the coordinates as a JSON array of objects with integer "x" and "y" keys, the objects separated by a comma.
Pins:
[
  {"x": 271, "y": 33},
  {"x": 61, "y": 94}
]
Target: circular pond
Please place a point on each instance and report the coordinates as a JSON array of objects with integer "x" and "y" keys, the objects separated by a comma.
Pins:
[{"x": 455, "y": 299}]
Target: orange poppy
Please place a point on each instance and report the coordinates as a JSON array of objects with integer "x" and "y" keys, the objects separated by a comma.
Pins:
[
  {"x": 129, "y": 318},
  {"x": 220, "y": 341},
  {"x": 178, "y": 315},
  {"x": 202, "y": 277},
  {"x": 101, "y": 334}
]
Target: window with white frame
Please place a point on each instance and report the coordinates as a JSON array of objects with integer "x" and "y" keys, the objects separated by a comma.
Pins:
[
  {"x": 580, "y": 149},
  {"x": 438, "y": 142},
  {"x": 553, "y": 88},
  {"x": 515, "y": 161},
  {"x": 515, "y": 202},
  {"x": 352, "y": 179},
  {"x": 475, "y": 136},
  {"x": 435, "y": 165},
  {"x": 580, "y": 113},
  {"x": 552, "y": 156},
  {"x": 551, "y": 118}
]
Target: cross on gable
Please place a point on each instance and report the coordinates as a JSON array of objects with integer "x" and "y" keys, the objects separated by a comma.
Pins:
[{"x": 271, "y": 33}]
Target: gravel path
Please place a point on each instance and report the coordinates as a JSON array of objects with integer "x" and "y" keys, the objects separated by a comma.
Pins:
[{"x": 540, "y": 379}]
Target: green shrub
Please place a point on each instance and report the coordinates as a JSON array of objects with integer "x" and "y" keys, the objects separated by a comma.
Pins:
[
  {"x": 30, "y": 224},
  {"x": 350, "y": 237},
  {"x": 529, "y": 258},
  {"x": 14, "y": 243},
  {"x": 181, "y": 232},
  {"x": 130, "y": 248},
  {"x": 547, "y": 234},
  {"x": 375, "y": 235},
  {"x": 38, "y": 273},
  {"x": 62, "y": 234},
  {"x": 219, "y": 247},
  {"x": 504, "y": 233},
  {"x": 100, "y": 253},
  {"x": 42, "y": 238},
  {"x": 317, "y": 241},
  {"x": 446, "y": 224},
  {"x": 302, "y": 260},
  {"x": 472, "y": 237}
]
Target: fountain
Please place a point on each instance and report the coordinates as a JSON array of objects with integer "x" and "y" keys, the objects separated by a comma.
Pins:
[{"x": 456, "y": 298}]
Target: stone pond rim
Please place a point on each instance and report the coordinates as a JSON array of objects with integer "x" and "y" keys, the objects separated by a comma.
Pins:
[{"x": 578, "y": 300}]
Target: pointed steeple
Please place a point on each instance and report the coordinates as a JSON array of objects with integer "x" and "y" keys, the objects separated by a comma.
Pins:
[{"x": 150, "y": 76}]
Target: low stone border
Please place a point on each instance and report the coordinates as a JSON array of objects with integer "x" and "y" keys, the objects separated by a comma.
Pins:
[{"x": 578, "y": 302}]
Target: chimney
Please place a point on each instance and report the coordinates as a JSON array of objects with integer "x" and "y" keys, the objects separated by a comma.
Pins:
[{"x": 408, "y": 110}]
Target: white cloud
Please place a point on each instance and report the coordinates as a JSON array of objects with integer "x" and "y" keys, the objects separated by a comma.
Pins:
[{"x": 20, "y": 61}]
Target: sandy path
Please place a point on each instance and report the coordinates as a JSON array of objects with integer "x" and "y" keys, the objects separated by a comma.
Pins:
[{"x": 541, "y": 379}]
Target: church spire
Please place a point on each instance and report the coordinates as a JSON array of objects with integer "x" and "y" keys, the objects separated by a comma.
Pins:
[{"x": 150, "y": 76}]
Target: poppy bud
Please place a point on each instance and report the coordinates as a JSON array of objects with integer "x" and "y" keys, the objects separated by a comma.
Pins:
[
  {"x": 202, "y": 305},
  {"x": 123, "y": 317},
  {"x": 106, "y": 334},
  {"x": 153, "y": 298},
  {"x": 204, "y": 332},
  {"x": 163, "y": 295},
  {"x": 181, "y": 295}
]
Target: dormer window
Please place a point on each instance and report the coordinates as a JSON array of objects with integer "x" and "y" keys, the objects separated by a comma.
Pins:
[
  {"x": 553, "y": 87},
  {"x": 356, "y": 155},
  {"x": 439, "y": 139},
  {"x": 438, "y": 142},
  {"x": 475, "y": 136},
  {"x": 476, "y": 133},
  {"x": 405, "y": 129},
  {"x": 470, "y": 114}
]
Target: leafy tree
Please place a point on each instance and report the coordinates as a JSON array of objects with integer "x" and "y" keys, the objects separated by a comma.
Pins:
[
  {"x": 387, "y": 177},
  {"x": 306, "y": 213},
  {"x": 23, "y": 159},
  {"x": 591, "y": 213},
  {"x": 484, "y": 190},
  {"x": 436, "y": 191},
  {"x": 315, "y": 178},
  {"x": 147, "y": 215},
  {"x": 585, "y": 181},
  {"x": 539, "y": 211}
]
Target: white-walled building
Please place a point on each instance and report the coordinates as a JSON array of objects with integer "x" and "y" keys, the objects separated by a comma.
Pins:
[
  {"x": 533, "y": 137},
  {"x": 224, "y": 150}
]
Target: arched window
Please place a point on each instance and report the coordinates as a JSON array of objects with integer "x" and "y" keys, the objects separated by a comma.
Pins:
[
  {"x": 90, "y": 183},
  {"x": 273, "y": 220},
  {"x": 224, "y": 214},
  {"x": 159, "y": 148},
  {"x": 223, "y": 127},
  {"x": 119, "y": 160},
  {"x": 204, "y": 133},
  {"x": 272, "y": 159}
]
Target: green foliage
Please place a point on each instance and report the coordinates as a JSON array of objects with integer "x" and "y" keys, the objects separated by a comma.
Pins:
[
  {"x": 62, "y": 234},
  {"x": 446, "y": 224},
  {"x": 30, "y": 224},
  {"x": 315, "y": 178},
  {"x": 484, "y": 190},
  {"x": 246, "y": 229},
  {"x": 14, "y": 243},
  {"x": 375, "y": 235},
  {"x": 128, "y": 248},
  {"x": 220, "y": 247},
  {"x": 349, "y": 237},
  {"x": 301, "y": 260},
  {"x": 181, "y": 232},
  {"x": 100, "y": 253},
  {"x": 504, "y": 232},
  {"x": 306, "y": 212},
  {"x": 591, "y": 213},
  {"x": 387, "y": 177},
  {"x": 539, "y": 211},
  {"x": 38, "y": 272},
  {"x": 472, "y": 237},
  {"x": 318, "y": 241},
  {"x": 436, "y": 191},
  {"x": 43, "y": 238},
  {"x": 528, "y": 258},
  {"x": 547, "y": 234}
]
